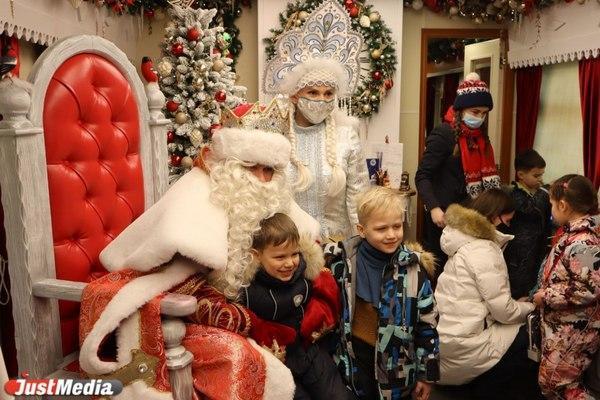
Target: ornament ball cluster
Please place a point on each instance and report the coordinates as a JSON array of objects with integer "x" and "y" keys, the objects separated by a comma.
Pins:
[{"x": 196, "y": 76}]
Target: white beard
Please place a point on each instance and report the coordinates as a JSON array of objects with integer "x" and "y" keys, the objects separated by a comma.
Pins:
[{"x": 247, "y": 201}]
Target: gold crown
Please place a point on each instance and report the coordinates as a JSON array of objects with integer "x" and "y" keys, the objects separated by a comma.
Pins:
[{"x": 274, "y": 118}]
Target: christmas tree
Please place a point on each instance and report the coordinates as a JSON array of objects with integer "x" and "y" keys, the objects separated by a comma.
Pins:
[{"x": 197, "y": 80}]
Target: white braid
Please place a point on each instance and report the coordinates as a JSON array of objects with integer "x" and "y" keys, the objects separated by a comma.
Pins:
[
  {"x": 305, "y": 178},
  {"x": 338, "y": 176}
]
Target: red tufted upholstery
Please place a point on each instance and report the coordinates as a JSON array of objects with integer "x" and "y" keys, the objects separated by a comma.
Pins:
[{"x": 92, "y": 137}]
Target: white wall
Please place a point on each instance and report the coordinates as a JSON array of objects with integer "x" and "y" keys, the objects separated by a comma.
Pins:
[{"x": 559, "y": 137}]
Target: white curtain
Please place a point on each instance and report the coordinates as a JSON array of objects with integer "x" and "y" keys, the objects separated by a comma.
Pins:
[{"x": 559, "y": 133}]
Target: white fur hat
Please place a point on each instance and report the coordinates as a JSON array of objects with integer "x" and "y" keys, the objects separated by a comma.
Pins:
[
  {"x": 254, "y": 146},
  {"x": 316, "y": 72}
]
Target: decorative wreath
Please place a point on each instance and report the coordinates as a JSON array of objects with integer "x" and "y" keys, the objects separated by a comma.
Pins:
[{"x": 378, "y": 55}]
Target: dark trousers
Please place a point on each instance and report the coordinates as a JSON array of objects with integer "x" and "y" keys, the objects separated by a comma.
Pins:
[
  {"x": 315, "y": 374},
  {"x": 365, "y": 376},
  {"x": 514, "y": 377},
  {"x": 431, "y": 241}
]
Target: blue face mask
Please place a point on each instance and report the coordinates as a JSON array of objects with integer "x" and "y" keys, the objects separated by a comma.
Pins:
[{"x": 472, "y": 121}]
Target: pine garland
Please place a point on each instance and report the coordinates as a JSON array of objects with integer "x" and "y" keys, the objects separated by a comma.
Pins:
[{"x": 227, "y": 14}]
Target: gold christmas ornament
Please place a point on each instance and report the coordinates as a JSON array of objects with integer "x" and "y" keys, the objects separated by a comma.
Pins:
[
  {"x": 364, "y": 21},
  {"x": 375, "y": 54},
  {"x": 374, "y": 16},
  {"x": 181, "y": 118},
  {"x": 187, "y": 162},
  {"x": 302, "y": 15},
  {"x": 218, "y": 65},
  {"x": 196, "y": 137},
  {"x": 164, "y": 68},
  {"x": 366, "y": 108}
]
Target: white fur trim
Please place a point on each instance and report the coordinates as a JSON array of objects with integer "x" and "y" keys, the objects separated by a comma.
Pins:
[
  {"x": 279, "y": 382},
  {"x": 128, "y": 338},
  {"x": 288, "y": 84},
  {"x": 255, "y": 146},
  {"x": 183, "y": 221},
  {"x": 139, "y": 390},
  {"x": 127, "y": 301},
  {"x": 305, "y": 223},
  {"x": 343, "y": 119}
]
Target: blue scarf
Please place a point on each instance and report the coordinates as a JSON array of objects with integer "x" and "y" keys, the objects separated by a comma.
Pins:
[{"x": 370, "y": 263}]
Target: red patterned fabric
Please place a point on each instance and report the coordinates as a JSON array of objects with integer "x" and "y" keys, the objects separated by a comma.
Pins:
[
  {"x": 94, "y": 300},
  {"x": 225, "y": 365},
  {"x": 91, "y": 132}
]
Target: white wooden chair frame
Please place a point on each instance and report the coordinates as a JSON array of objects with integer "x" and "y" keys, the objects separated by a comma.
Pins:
[{"x": 24, "y": 183}]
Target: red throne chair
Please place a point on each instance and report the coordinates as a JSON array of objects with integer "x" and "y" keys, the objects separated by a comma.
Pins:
[{"x": 82, "y": 154}]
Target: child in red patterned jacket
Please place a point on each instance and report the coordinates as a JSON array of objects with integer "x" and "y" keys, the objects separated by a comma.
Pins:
[{"x": 569, "y": 295}]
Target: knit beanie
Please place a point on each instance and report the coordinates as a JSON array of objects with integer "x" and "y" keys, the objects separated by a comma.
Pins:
[{"x": 473, "y": 92}]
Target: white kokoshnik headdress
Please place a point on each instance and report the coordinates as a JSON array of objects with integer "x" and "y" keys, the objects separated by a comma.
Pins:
[{"x": 324, "y": 51}]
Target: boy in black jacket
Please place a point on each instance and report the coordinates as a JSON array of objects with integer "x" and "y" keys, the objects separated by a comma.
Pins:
[
  {"x": 531, "y": 224},
  {"x": 292, "y": 288}
]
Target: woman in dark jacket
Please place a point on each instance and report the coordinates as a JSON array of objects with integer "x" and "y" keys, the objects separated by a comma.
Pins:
[{"x": 458, "y": 161}]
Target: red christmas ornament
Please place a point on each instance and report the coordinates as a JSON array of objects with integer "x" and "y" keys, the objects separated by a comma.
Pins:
[
  {"x": 118, "y": 8},
  {"x": 216, "y": 51},
  {"x": 389, "y": 83},
  {"x": 172, "y": 105},
  {"x": 377, "y": 75},
  {"x": 170, "y": 136},
  {"x": 177, "y": 49},
  {"x": 175, "y": 160},
  {"x": 213, "y": 128},
  {"x": 348, "y": 3},
  {"x": 220, "y": 96},
  {"x": 193, "y": 34},
  {"x": 149, "y": 13},
  {"x": 129, "y": 2},
  {"x": 353, "y": 12}
]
